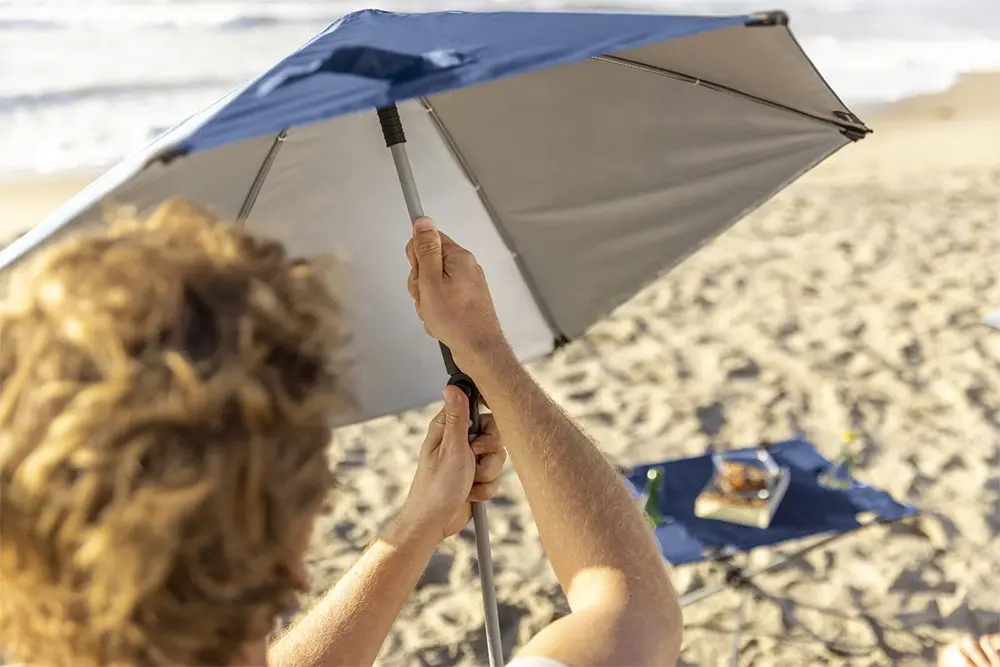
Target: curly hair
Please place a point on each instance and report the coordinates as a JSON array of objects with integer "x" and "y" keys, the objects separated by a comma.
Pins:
[{"x": 167, "y": 387}]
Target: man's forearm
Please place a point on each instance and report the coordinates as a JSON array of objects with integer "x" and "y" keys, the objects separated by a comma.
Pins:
[
  {"x": 349, "y": 624},
  {"x": 586, "y": 518}
]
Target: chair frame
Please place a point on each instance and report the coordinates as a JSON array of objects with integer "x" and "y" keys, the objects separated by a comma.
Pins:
[{"x": 740, "y": 579}]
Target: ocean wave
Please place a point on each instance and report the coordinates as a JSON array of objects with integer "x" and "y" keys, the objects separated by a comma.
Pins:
[
  {"x": 51, "y": 98},
  {"x": 246, "y": 22},
  {"x": 227, "y": 16},
  {"x": 104, "y": 106},
  {"x": 32, "y": 25}
]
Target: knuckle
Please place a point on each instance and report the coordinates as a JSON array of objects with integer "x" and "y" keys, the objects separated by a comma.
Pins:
[
  {"x": 486, "y": 442},
  {"x": 490, "y": 467},
  {"x": 427, "y": 246},
  {"x": 484, "y": 491},
  {"x": 453, "y": 418}
]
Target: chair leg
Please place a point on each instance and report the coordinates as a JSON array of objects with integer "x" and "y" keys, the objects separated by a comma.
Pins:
[{"x": 734, "y": 659}]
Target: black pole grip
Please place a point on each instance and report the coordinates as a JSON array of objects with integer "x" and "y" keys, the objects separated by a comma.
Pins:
[
  {"x": 450, "y": 366},
  {"x": 465, "y": 383},
  {"x": 392, "y": 126}
]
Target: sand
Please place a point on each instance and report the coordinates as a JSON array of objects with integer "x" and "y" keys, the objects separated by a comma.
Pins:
[{"x": 852, "y": 300}]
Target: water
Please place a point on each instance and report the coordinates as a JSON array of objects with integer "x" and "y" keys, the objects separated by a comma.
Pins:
[{"x": 85, "y": 82}]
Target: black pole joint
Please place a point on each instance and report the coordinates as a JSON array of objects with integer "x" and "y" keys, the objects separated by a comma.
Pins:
[
  {"x": 469, "y": 388},
  {"x": 392, "y": 126}
]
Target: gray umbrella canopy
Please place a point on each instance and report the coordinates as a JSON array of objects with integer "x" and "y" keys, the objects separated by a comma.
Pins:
[{"x": 575, "y": 182}]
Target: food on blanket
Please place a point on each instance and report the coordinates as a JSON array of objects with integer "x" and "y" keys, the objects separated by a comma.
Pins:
[
  {"x": 739, "y": 478},
  {"x": 743, "y": 492},
  {"x": 728, "y": 500}
]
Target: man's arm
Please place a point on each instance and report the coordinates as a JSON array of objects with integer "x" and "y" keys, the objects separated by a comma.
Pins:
[
  {"x": 348, "y": 625},
  {"x": 624, "y": 608}
]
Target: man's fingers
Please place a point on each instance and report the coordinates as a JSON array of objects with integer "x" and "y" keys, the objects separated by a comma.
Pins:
[
  {"x": 412, "y": 285},
  {"x": 486, "y": 442},
  {"x": 988, "y": 649},
  {"x": 435, "y": 431},
  {"x": 447, "y": 241},
  {"x": 427, "y": 250},
  {"x": 487, "y": 426},
  {"x": 454, "y": 252},
  {"x": 456, "y": 416},
  {"x": 411, "y": 257},
  {"x": 482, "y": 493},
  {"x": 489, "y": 467},
  {"x": 973, "y": 652}
]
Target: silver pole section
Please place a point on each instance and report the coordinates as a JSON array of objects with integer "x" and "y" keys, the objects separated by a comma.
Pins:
[
  {"x": 406, "y": 181},
  {"x": 392, "y": 128}
]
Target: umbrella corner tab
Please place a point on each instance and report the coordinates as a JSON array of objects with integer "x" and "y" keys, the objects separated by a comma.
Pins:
[
  {"x": 767, "y": 19},
  {"x": 854, "y": 134}
]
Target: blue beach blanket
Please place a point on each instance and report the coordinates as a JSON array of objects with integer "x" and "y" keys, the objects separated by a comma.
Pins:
[{"x": 808, "y": 508}]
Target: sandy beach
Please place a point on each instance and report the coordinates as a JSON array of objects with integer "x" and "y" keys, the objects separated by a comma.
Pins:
[{"x": 854, "y": 300}]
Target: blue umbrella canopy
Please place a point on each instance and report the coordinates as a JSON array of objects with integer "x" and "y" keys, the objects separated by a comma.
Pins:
[{"x": 578, "y": 155}]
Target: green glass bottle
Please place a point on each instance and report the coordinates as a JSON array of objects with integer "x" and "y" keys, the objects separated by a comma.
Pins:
[{"x": 653, "y": 486}]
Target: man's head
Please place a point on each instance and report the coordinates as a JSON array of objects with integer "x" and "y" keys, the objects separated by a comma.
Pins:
[{"x": 166, "y": 389}]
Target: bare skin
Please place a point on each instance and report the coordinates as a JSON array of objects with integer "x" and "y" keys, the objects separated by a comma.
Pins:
[
  {"x": 349, "y": 624},
  {"x": 972, "y": 652},
  {"x": 624, "y": 608}
]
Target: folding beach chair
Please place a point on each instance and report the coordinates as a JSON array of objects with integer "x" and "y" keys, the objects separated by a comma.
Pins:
[{"x": 808, "y": 509}]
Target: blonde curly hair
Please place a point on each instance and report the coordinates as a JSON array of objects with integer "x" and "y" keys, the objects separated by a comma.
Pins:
[{"x": 166, "y": 392}]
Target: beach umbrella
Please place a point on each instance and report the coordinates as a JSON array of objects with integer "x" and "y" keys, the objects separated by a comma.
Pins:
[{"x": 579, "y": 156}]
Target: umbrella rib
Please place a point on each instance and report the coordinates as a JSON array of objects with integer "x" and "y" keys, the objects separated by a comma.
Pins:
[
  {"x": 853, "y": 132},
  {"x": 453, "y": 148},
  {"x": 260, "y": 177}
]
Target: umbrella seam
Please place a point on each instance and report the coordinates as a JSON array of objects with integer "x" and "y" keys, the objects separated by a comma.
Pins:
[
  {"x": 848, "y": 129},
  {"x": 258, "y": 180},
  {"x": 822, "y": 78},
  {"x": 550, "y": 320}
]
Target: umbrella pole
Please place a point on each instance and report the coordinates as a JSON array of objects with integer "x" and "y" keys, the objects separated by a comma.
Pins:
[{"x": 395, "y": 140}]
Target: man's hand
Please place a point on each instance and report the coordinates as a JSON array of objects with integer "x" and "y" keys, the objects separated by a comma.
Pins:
[
  {"x": 349, "y": 624},
  {"x": 972, "y": 652},
  {"x": 449, "y": 290},
  {"x": 451, "y": 474}
]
